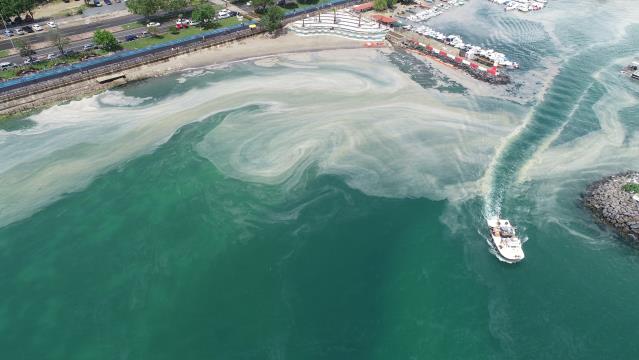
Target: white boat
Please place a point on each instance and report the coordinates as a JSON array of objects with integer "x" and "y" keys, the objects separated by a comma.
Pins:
[{"x": 505, "y": 240}]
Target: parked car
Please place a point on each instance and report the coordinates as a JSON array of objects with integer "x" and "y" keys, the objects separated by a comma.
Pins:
[
  {"x": 130, "y": 37},
  {"x": 8, "y": 33},
  {"x": 52, "y": 24},
  {"x": 28, "y": 61},
  {"x": 51, "y": 56},
  {"x": 6, "y": 66},
  {"x": 18, "y": 31},
  {"x": 97, "y": 3},
  {"x": 27, "y": 29},
  {"x": 89, "y": 46},
  {"x": 36, "y": 27},
  {"x": 153, "y": 24},
  {"x": 181, "y": 24},
  {"x": 108, "y": 2},
  {"x": 194, "y": 23},
  {"x": 223, "y": 14},
  {"x": 248, "y": 3}
]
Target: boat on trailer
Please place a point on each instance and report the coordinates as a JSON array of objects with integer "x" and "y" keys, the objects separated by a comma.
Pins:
[{"x": 505, "y": 241}]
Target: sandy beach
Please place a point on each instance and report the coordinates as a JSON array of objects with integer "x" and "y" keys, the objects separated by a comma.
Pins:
[{"x": 253, "y": 47}]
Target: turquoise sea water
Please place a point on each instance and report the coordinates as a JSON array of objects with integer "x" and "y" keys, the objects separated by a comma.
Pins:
[{"x": 328, "y": 206}]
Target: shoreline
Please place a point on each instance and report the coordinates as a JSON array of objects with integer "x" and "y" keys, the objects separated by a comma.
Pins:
[
  {"x": 259, "y": 46},
  {"x": 252, "y": 48}
]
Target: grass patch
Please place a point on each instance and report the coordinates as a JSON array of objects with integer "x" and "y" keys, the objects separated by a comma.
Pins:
[
  {"x": 228, "y": 22},
  {"x": 4, "y": 53},
  {"x": 632, "y": 188},
  {"x": 8, "y": 74},
  {"x": 149, "y": 41},
  {"x": 132, "y": 25},
  {"x": 78, "y": 10}
]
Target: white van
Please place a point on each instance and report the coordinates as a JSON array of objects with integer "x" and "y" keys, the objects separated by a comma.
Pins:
[{"x": 6, "y": 66}]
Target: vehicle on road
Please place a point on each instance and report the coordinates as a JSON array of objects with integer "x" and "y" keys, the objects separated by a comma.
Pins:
[
  {"x": 248, "y": 3},
  {"x": 28, "y": 61},
  {"x": 153, "y": 24},
  {"x": 8, "y": 33},
  {"x": 18, "y": 31},
  {"x": 6, "y": 66},
  {"x": 51, "y": 56},
  {"x": 89, "y": 46},
  {"x": 36, "y": 27},
  {"x": 181, "y": 24},
  {"x": 52, "y": 24},
  {"x": 130, "y": 37},
  {"x": 223, "y": 14},
  {"x": 27, "y": 29}
]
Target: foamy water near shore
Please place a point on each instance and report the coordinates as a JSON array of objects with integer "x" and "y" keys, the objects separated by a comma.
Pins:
[{"x": 329, "y": 205}]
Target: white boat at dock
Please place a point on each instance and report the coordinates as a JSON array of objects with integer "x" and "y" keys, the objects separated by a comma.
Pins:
[
  {"x": 471, "y": 52},
  {"x": 504, "y": 240},
  {"x": 522, "y": 5}
]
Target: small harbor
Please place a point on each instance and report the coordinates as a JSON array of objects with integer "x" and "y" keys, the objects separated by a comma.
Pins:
[
  {"x": 486, "y": 65},
  {"x": 361, "y": 23}
]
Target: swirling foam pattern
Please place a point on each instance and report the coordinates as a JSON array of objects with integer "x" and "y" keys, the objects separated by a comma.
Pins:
[{"x": 350, "y": 113}]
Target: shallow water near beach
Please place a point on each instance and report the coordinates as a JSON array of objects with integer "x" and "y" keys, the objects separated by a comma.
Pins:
[{"x": 330, "y": 205}]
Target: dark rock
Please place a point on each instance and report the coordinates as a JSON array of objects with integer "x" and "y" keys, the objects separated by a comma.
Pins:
[{"x": 612, "y": 205}]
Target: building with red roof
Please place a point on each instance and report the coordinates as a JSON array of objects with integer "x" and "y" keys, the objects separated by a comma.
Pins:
[{"x": 363, "y": 7}]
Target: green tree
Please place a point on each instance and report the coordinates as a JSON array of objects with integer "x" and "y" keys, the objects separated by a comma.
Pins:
[
  {"x": 261, "y": 5},
  {"x": 380, "y": 5},
  {"x": 272, "y": 19},
  {"x": 24, "y": 47},
  {"x": 204, "y": 13},
  {"x": 154, "y": 31},
  {"x": 9, "y": 8},
  {"x": 146, "y": 8},
  {"x": 59, "y": 41},
  {"x": 105, "y": 40},
  {"x": 174, "y": 5}
]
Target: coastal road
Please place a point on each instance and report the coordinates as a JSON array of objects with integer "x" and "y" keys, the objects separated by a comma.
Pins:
[
  {"x": 77, "y": 45},
  {"x": 43, "y": 36}
]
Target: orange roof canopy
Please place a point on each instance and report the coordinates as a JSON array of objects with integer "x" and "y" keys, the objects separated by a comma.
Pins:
[
  {"x": 384, "y": 19},
  {"x": 363, "y": 7}
]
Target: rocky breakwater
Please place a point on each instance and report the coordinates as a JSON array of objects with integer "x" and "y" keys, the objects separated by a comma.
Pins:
[{"x": 614, "y": 200}]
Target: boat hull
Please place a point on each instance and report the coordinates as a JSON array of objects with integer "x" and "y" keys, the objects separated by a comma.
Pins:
[
  {"x": 504, "y": 254},
  {"x": 507, "y": 249}
]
